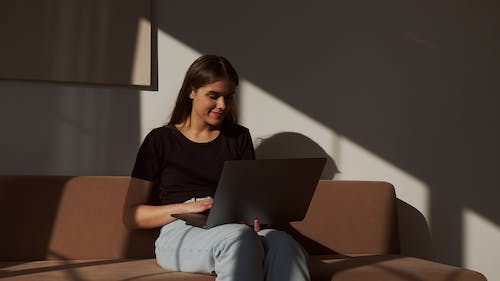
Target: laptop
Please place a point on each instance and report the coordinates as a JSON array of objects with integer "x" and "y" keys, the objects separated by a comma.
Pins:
[{"x": 272, "y": 190}]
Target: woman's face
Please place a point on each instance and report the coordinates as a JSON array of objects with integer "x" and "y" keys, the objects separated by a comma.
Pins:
[{"x": 212, "y": 101}]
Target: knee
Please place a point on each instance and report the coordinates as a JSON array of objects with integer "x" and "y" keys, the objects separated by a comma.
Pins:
[
  {"x": 280, "y": 241},
  {"x": 244, "y": 235},
  {"x": 243, "y": 240}
]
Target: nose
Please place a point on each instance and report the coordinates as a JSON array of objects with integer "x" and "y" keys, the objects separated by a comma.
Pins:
[{"x": 221, "y": 103}]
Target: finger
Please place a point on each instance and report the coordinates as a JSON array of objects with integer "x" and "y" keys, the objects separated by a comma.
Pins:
[
  {"x": 208, "y": 202},
  {"x": 256, "y": 225}
]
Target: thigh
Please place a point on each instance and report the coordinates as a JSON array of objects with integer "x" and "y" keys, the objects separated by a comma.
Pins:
[{"x": 181, "y": 247}]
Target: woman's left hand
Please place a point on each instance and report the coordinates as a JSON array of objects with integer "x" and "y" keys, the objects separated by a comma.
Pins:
[{"x": 256, "y": 225}]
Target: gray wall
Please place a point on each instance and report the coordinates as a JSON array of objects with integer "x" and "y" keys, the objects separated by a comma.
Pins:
[
  {"x": 413, "y": 82},
  {"x": 67, "y": 130}
]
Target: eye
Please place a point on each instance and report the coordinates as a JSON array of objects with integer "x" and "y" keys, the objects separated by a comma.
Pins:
[{"x": 213, "y": 96}]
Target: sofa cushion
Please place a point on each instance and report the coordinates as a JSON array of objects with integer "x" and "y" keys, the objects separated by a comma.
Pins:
[
  {"x": 323, "y": 268},
  {"x": 351, "y": 217},
  {"x": 93, "y": 270},
  {"x": 63, "y": 217},
  {"x": 386, "y": 268}
]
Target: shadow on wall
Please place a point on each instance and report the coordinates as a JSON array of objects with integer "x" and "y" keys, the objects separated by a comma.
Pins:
[
  {"x": 415, "y": 236},
  {"x": 63, "y": 128},
  {"x": 413, "y": 82},
  {"x": 295, "y": 145},
  {"x": 414, "y": 233},
  {"x": 67, "y": 130}
]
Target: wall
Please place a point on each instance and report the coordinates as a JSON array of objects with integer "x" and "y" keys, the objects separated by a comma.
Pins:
[
  {"x": 67, "y": 130},
  {"x": 405, "y": 92},
  {"x": 86, "y": 41}
]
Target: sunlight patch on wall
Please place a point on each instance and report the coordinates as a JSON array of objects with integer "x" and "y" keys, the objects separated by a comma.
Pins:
[
  {"x": 174, "y": 58},
  {"x": 481, "y": 244},
  {"x": 141, "y": 70},
  {"x": 357, "y": 162},
  {"x": 265, "y": 115}
]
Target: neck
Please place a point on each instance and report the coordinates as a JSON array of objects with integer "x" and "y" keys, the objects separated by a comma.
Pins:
[
  {"x": 196, "y": 126},
  {"x": 197, "y": 131}
]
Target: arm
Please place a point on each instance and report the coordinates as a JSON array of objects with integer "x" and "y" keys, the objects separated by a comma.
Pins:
[{"x": 136, "y": 214}]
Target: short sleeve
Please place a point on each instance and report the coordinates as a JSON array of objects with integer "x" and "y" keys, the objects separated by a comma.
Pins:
[
  {"x": 148, "y": 162},
  {"x": 247, "y": 150}
]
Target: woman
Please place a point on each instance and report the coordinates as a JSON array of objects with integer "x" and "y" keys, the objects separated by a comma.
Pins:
[{"x": 178, "y": 166}]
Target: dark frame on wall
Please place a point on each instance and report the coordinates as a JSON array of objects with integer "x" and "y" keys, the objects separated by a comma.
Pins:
[{"x": 105, "y": 42}]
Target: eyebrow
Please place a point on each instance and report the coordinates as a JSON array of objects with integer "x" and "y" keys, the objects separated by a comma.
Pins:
[{"x": 220, "y": 93}]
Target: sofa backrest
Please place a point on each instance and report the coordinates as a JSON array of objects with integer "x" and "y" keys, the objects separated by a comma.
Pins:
[
  {"x": 63, "y": 217},
  {"x": 350, "y": 217}
]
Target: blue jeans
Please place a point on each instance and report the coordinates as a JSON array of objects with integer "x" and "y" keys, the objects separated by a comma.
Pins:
[{"x": 233, "y": 252}]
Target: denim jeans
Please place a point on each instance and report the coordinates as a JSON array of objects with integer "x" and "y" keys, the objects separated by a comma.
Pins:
[{"x": 233, "y": 252}]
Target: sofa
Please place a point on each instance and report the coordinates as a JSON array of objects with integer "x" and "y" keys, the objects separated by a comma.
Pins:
[{"x": 70, "y": 228}]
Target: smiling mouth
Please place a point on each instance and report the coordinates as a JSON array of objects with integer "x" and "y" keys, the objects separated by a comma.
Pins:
[{"x": 217, "y": 114}]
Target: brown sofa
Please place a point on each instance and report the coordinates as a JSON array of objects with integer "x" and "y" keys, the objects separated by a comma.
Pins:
[{"x": 69, "y": 228}]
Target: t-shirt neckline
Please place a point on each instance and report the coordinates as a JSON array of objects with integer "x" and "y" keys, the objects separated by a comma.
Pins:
[{"x": 194, "y": 142}]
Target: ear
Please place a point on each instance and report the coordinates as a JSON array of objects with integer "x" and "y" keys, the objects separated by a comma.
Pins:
[{"x": 192, "y": 94}]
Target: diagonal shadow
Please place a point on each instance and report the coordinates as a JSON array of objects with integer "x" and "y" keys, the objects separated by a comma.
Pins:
[
  {"x": 295, "y": 145},
  {"x": 20, "y": 195},
  {"x": 407, "y": 81},
  {"x": 67, "y": 266},
  {"x": 335, "y": 265}
]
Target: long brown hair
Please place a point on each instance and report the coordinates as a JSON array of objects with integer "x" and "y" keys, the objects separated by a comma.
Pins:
[{"x": 204, "y": 70}]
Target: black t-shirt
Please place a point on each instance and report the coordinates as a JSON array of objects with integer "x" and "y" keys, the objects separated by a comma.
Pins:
[{"x": 182, "y": 169}]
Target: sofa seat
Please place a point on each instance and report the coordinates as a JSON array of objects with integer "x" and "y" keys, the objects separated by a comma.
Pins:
[
  {"x": 323, "y": 268},
  {"x": 386, "y": 268},
  {"x": 93, "y": 270}
]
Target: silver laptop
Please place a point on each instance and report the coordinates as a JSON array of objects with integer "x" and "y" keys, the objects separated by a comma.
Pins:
[{"x": 272, "y": 190}]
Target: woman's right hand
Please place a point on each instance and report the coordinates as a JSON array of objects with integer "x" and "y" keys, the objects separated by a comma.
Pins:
[
  {"x": 199, "y": 206},
  {"x": 138, "y": 214}
]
